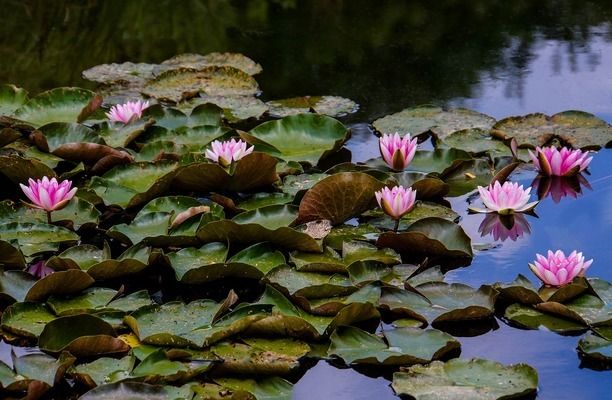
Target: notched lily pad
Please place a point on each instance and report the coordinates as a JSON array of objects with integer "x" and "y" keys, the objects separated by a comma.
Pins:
[
  {"x": 401, "y": 346},
  {"x": 333, "y": 106},
  {"x": 301, "y": 137},
  {"x": 576, "y": 128},
  {"x": 476, "y": 379},
  {"x": 433, "y": 119},
  {"x": 82, "y": 335},
  {"x": 26, "y": 319},
  {"x": 55, "y": 105},
  {"x": 339, "y": 197},
  {"x": 190, "y": 60}
]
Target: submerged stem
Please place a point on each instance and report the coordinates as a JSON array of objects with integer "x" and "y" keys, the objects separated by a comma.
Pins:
[
  {"x": 396, "y": 227},
  {"x": 49, "y": 217}
]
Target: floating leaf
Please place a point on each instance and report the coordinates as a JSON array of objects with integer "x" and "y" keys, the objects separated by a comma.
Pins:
[
  {"x": 433, "y": 119},
  {"x": 576, "y": 128},
  {"x": 55, "y": 105},
  {"x": 402, "y": 346},
  {"x": 11, "y": 98},
  {"x": 103, "y": 370},
  {"x": 596, "y": 349},
  {"x": 36, "y": 237},
  {"x": 26, "y": 319},
  {"x": 235, "y": 60},
  {"x": 19, "y": 170},
  {"x": 302, "y": 137},
  {"x": 82, "y": 335},
  {"x": 529, "y": 318},
  {"x": 183, "y": 83},
  {"x": 476, "y": 379},
  {"x": 334, "y": 106},
  {"x": 339, "y": 197}
]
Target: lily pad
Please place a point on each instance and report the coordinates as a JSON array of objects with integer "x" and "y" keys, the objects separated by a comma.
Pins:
[
  {"x": 273, "y": 388},
  {"x": 134, "y": 184},
  {"x": 576, "y": 128},
  {"x": 302, "y": 137},
  {"x": 235, "y": 108},
  {"x": 254, "y": 171},
  {"x": 433, "y": 119},
  {"x": 530, "y": 318},
  {"x": 76, "y": 214},
  {"x": 38, "y": 369},
  {"x": 55, "y": 105},
  {"x": 521, "y": 290},
  {"x": 104, "y": 370},
  {"x": 596, "y": 348},
  {"x": 476, "y": 140},
  {"x": 19, "y": 169},
  {"x": 82, "y": 335},
  {"x": 309, "y": 285},
  {"x": 334, "y": 106},
  {"x": 11, "y": 98},
  {"x": 130, "y": 72},
  {"x": 430, "y": 237},
  {"x": 127, "y": 390},
  {"x": 235, "y": 60},
  {"x": 476, "y": 379},
  {"x": 339, "y": 197},
  {"x": 183, "y": 83},
  {"x": 35, "y": 238},
  {"x": 267, "y": 224},
  {"x": 401, "y": 346},
  {"x": 26, "y": 319}
]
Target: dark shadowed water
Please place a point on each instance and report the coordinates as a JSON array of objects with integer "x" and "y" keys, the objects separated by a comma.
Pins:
[{"x": 498, "y": 57}]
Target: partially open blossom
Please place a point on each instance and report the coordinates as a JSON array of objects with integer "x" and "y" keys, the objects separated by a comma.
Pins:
[
  {"x": 556, "y": 269},
  {"x": 504, "y": 199},
  {"x": 49, "y": 194},
  {"x": 397, "y": 201},
  {"x": 397, "y": 151},
  {"x": 128, "y": 111},
  {"x": 564, "y": 162},
  {"x": 39, "y": 270},
  {"x": 226, "y": 152},
  {"x": 559, "y": 187},
  {"x": 504, "y": 227}
]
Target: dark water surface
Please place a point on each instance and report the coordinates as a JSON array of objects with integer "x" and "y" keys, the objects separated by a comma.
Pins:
[{"x": 498, "y": 57}]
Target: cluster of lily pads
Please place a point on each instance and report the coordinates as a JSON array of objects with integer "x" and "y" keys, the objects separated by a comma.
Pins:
[{"x": 198, "y": 243}]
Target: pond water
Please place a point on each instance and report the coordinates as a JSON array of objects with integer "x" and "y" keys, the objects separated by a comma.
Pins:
[{"x": 498, "y": 58}]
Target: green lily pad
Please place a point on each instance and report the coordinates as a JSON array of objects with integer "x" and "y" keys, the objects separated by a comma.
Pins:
[
  {"x": 55, "y": 105},
  {"x": 103, "y": 370},
  {"x": 134, "y": 184},
  {"x": 343, "y": 233},
  {"x": 96, "y": 300},
  {"x": 288, "y": 320},
  {"x": 259, "y": 200},
  {"x": 14, "y": 285},
  {"x": 37, "y": 368},
  {"x": 334, "y": 106},
  {"x": 11, "y": 98},
  {"x": 596, "y": 348},
  {"x": 576, "y": 128},
  {"x": 293, "y": 185},
  {"x": 427, "y": 186},
  {"x": 253, "y": 171},
  {"x": 35, "y": 238},
  {"x": 476, "y": 379},
  {"x": 521, "y": 290},
  {"x": 183, "y": 83},
  {"x": 82, "y": 335},
  {"x": 433, "y": 119},
  {"x": 172, "y": 118},
  {"x": 267, "y": 224},
  {"x": 235, "y": 108},
  {"x": 127, "y": 390},
  {"x": 260, "y": 356},
  {"x": 530, "y": 318},
  {"x": 302, "y": 137},
  {"x": 26, "y": 319},
  {"x": 235, "y": 60},
  {"x": 273, "y": 388},
  {"x": 188, "y": 136},
  {"x": 466, "y": 176},
  {"x": 62, "y": 282},
  {"x": 421, "y": 210},
  {"x": 8, "y": 135},
  {"x": 339, "y": 197},
  {"x": 124, "y": 72},
  {"x": 476, "y": 140},
  {"x": 401, "y": 346},
  {"x": 439, "y": 160},
  {"x": 309, "y": 285},
  {"x": 194, "y": 324},
  {"x": 77, "y": 213},
  {"x": 118, "y": 134},
  {"x": 430, "y": 237}
]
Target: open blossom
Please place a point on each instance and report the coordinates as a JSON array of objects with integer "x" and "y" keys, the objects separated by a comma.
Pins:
[
  {"x": 49, "y": 194},
  {"x": 556, "y": 269},
  {"x": 397, "y": 151},
  {"x": 226, "y": 152},
  {"x": 397, "y": 201},
  {"x": 128, "y": 111},
  {"x": 39, "y": 270},
  {"x": 505, "y": 199},
  {"x": 564, "y": 162},
  {"x": 516, "y": 226}
]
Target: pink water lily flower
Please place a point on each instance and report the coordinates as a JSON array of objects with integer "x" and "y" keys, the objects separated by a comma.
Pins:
[
  {"x": 397, "y": 201},
  {"x": 39, "y": 270},
  {"x": 49, "y": 194},
  {"x": 504, "y": 199},
  {"x": 514, "y": 228},
  {"x": 556, "y": 269},
  {"x": 226, "y": 152},
  {"x": 564, "y": 162},
  {"x": 397, "y": 151},
  {"x": 127, "y": 112}
]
